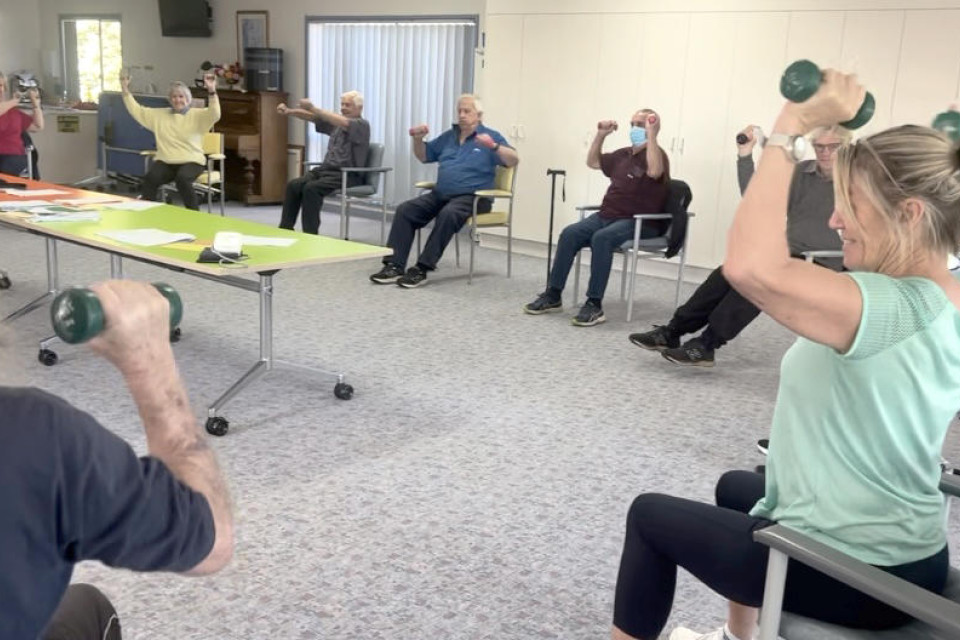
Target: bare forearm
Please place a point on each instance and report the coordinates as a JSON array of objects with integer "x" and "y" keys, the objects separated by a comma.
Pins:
[
  {"x": 420, "y": 149},
  {"x": 654, "y": 159},
  {"x": 593, "y": 154},
  {"x": 6, "y": 105},
  {"x": 175, "y": 437},
  {"x": 333, "y": 118},
  {"x": 37, "y": 119},
  {"x": 508, "y": 156}
]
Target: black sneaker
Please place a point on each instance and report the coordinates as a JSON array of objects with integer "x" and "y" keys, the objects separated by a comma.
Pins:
[
  {"x": 413, "y": 278},
  {"x": 763, "y": 445},
  {"x": 389, "y": 274},
  {"x": 659, "y": 339},
  {"x": 590, "y": 314},
  {"x": 545, "y": 303},
  {"x": 691, "y": 353}
]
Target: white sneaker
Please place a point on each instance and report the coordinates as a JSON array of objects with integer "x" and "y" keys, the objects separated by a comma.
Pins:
[{"x": 682, "y": 633}]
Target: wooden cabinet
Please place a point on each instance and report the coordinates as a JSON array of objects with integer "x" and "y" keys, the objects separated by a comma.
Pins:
[{"x": 255, "y": 141}]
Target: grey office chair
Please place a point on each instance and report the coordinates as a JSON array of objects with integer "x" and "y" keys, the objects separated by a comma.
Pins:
[
  {"x": 673, "y": 242},
  {"x": 374, "y": 182},
  {"x": 937, "y": 617}
]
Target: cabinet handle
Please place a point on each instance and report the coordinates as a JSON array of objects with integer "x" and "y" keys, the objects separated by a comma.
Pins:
[
  {"x": 673, "y": 144},
  {"x": 681, "y": 146}
]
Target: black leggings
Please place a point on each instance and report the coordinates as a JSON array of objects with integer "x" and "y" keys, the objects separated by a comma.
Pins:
[{"x": 715, "y": 544}]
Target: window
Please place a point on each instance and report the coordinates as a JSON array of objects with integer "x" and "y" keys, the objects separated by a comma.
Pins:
[
  {"x": 92, "y": 56},
  {"x": 409, "y": 72}
]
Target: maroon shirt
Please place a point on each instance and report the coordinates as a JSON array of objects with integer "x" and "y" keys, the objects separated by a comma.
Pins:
[
  {"x": 12, "y": 125},
  {"x": 631, "y": 190}
]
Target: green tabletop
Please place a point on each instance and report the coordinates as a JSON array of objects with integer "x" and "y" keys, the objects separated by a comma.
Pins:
[{"x": 307, "y": 250}]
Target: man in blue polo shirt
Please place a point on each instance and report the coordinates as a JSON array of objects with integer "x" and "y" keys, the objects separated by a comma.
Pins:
[{"x": 469, "y": 154}]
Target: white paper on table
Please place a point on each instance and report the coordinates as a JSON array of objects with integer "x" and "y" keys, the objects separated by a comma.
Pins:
[
  {"x": 132, "y": 205},
  {"x": 64, "y": 216},
  {"x": 28, "y": 193},
  {"x": 24, "y": 204},
  {"x": 146, "y": 237},
  {"x": 267, "y": 241}
]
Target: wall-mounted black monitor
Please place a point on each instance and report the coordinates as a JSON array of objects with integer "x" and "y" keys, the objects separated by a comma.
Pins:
[{"x": 185, "y": 18}]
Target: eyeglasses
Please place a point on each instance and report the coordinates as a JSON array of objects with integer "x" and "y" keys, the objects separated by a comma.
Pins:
[{"x": 820, "y": 148}]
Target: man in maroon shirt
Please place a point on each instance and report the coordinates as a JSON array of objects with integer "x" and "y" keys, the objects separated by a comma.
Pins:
[{"x": 638, "y": 184}]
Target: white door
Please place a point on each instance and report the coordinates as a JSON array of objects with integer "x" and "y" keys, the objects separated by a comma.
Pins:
[{"x": 929, "y": 70}]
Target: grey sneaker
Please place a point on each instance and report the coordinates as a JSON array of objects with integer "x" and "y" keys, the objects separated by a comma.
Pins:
[
  {"x": 389, "y": 274},
  {"x": 691, "y": 353},
  {"x": 659, "y": 339},
  {"x": 545, "y": 303},
  {"x": 590, "y": 314},
  {"x": 413, "y": 278}
]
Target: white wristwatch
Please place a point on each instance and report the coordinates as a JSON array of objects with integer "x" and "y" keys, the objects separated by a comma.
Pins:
[{"x": 794, "y": 146}]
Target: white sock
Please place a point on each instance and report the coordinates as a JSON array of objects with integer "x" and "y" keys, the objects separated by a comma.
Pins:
[{"x": 728, "y": 635}]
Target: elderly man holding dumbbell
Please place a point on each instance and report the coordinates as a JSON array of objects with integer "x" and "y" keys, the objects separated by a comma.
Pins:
[
  {"x": 638, "y": 184},
  {"x": 71, "y": 490},
  {"x": 718, "y": 308}
]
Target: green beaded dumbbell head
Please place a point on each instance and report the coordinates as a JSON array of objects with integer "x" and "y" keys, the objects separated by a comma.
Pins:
[
  {"x": 948, "y": 123},
  {"x": 802, "y": 79},
  {"x": 77, "y": 315}
]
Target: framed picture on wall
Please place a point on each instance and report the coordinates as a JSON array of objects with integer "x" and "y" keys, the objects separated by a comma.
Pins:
[{"x": 253, "y": 30}]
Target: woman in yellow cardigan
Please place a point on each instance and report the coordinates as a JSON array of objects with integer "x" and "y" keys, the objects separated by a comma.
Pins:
[{"x": 179, "y": 131}]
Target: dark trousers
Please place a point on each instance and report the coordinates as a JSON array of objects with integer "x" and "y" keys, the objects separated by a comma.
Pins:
[
  {"x": 603, "y": 236},
  {"x": 13, "y": 165},
  {"x": 84, "y": 613},
  {"x": 716, "y": 305},
  {"x": 715, "y": 544},
  {"x": 306, "y": 193},
  {"x": 182, "y": 175},
  {"x": 450, "y": 214}
]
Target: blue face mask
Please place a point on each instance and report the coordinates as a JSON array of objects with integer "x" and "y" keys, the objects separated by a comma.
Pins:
[{"x": 638, "y": 135}]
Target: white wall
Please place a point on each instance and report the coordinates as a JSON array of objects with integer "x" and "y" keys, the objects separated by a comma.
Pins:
[
  {"x": 179, "y": 58},
  {"x": 19, "y": 36}
]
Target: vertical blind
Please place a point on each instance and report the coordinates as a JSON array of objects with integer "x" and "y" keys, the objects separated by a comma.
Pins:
[{"x": 409, "y": 72}]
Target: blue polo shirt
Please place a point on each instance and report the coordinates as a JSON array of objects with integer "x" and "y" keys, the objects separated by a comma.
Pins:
[{"x": 464, "y": 168}]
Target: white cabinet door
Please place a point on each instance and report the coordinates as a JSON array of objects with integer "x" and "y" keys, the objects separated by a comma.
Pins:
[
  {"x": 500, "y": 74},
  {"x": 816, "y": 36},
  {"x": 557, "y": 91},
  {"x": 759, "y": 58},
  {"x": 871, "y": 49},
  {"x": 703, "y": 148},
  {"x": 927, "y": 80}
]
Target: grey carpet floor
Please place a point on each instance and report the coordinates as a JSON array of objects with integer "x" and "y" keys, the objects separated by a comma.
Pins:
[{"x": 475, "y": 486}]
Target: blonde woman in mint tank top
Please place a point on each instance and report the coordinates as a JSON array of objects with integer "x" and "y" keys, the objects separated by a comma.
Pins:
[{"x": 866, "y": 393}]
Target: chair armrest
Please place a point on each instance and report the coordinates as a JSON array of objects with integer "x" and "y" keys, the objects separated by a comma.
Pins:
[
  {"x": 950, "y": 484},
  {"x": 588, "y": 207},
  {"x": 425, "y": 185},
  {"x": 492, "y": 193},
  {"x": 653, "y": 216},
  {"x": 217, "y": 156},
  {"x": 809, "y": 256},
  {"x": 147, "y": 152},
  {"x": 924, "y": 605},
  {"x": 365, "y": 169},
  {"x": 311, "y": 164}
]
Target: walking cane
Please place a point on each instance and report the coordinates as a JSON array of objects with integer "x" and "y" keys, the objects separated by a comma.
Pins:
[{"x": 553, "y": 173}]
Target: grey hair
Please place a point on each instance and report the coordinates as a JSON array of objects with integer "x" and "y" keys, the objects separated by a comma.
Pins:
[
  {"x": 179, "y": 87},
  {"x": 890, "y": 167},
  {"x": 473, "y": 98},
  {"x": 354, "y": 96}
]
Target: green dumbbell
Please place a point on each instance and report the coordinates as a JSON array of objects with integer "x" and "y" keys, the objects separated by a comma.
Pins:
[
  {"x": 802, "y": 79},
  {"x": 77, "y": 315},
  {"x": 948, "y": 123}
]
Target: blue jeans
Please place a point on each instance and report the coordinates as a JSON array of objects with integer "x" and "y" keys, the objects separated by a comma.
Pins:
[{"x": 603, "y": 235}]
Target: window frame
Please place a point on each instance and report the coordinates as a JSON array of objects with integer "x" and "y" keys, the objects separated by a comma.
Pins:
[{"x": 68, "y": 57}]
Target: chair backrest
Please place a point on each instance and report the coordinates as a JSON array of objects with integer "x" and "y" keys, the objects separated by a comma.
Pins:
[
  {"x": 374, "y": 161},
  {"x": 212, "y": 143},
  {"x": 678, "y": 201},
  {"x": 505, "y": 178}
]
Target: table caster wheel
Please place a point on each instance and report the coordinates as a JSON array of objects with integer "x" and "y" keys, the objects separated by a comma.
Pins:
[
  {"x": 47, "y": 357},
  {"x": 217, "y": 426},
  {"x": 175, "y": 335},
  {"x": 343, "y": 391},
  {"x": 5, "y": 282}
]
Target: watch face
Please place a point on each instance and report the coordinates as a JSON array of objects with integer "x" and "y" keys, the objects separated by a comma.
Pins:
[{"x": 799, "y": 148}]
